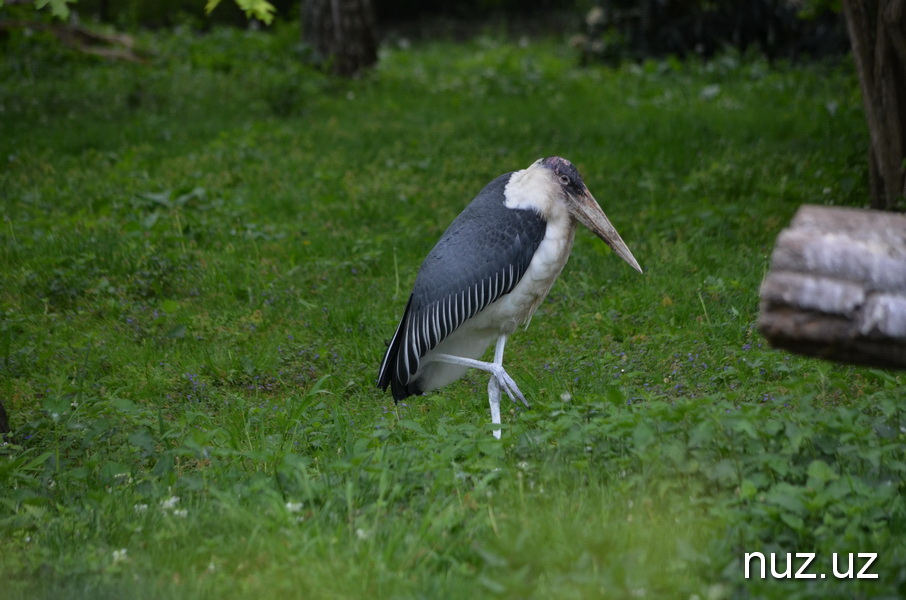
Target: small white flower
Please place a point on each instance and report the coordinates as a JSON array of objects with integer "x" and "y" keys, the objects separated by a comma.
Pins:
[
  {"x": 140, "y": 507},
  {"x": 181, "y": 512},
  {"x": 566, "y": 397},
  {"x": 170, "y": 503},
  {"x": 293, "y": 507},
  {"x": 119, "y": 556},
  {"x": 211, "y": 567},
  {"x": 709, "y": 92},
  {"x": 361, "y": 534}
]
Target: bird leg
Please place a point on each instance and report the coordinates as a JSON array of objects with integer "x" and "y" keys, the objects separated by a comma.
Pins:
[
  {"x": 494, "y": 399},
  {"x": 494, "y": 368},
  {"x": 499, "y": 378}
]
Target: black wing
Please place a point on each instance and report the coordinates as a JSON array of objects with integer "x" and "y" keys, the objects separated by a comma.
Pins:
[{"x": 482, "y": 256}]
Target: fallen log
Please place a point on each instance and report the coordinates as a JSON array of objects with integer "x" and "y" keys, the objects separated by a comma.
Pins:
[
  {"x": 116, "y": 46},
  {"x": 836, "y": 288}
]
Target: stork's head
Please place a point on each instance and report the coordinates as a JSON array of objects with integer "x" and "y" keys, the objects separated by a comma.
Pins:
[{"x": 583, "y": 207}]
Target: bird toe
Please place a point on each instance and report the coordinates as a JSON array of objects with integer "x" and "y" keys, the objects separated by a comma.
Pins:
[{"x": 509, "y": 385}]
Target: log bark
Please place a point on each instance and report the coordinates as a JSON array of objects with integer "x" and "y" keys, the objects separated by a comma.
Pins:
[
  {"x": 342, "y": 33},
  {"x": 116, "y": 46},
  {"x": 836, "y": 288},
  {"x": 877, "y": 33}
]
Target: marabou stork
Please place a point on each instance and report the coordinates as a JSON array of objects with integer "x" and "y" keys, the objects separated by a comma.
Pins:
[{"x": 486, "y": 276}]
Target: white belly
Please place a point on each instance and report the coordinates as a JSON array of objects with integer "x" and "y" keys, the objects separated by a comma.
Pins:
[{"x": 517, "y": 307}]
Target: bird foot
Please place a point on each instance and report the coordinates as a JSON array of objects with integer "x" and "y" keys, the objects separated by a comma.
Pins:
[
  {"x": 506, "y": 383},
  {"x": 494, "y": 368}
]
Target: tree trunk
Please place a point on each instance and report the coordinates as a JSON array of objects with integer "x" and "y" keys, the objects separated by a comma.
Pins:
[
  {"x": 877, "y": 32},
  {"x": 837, "y": 287},
  {"x": 4, "y": 422},
  {"x": 342, "y": 33}
]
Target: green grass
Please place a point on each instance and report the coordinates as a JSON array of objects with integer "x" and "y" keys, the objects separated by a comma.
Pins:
[{"x": 202, "y": 258}]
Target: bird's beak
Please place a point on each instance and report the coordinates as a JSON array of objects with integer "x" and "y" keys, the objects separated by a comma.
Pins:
[{"x": 590, "y": 214}]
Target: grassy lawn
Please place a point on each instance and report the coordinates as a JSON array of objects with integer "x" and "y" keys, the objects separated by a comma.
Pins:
[{"x": 202, "y": 258}]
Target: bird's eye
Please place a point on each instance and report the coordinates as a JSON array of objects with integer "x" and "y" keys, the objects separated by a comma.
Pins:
[{"x": 564, "y": 179}]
